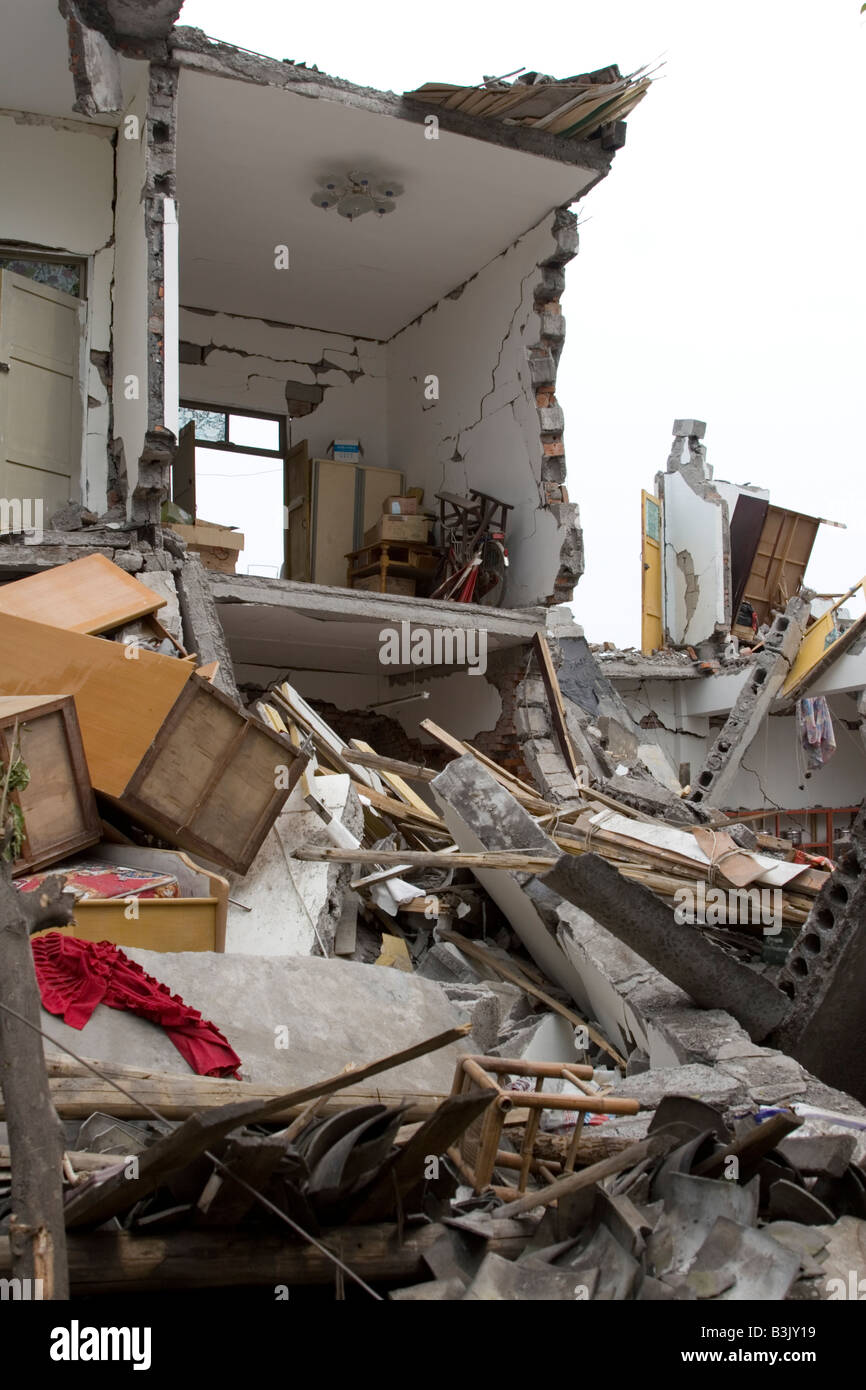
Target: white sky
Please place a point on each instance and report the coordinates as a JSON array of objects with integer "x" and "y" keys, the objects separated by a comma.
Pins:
[{"x": 721, "y": 270}]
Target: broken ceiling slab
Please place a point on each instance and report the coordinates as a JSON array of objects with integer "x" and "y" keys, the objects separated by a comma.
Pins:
[
  {"x": 572, "y": 107},
  {"x": 329, "y": 1013},
  {"x": 282, "y": 624},
  {"x": 637, "y": 916},
  {"x": 482, "y": 815}
]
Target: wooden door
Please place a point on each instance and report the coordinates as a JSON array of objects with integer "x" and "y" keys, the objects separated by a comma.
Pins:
[
  {"x": 297, "y": 492},
  {"x": 651, "y": 637},
  {"x": 183, "y": 469},
  {"x": 41, "y": 332}
]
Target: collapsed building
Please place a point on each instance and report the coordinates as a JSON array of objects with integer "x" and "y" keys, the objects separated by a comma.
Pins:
[{"x": 362, "y": 800}]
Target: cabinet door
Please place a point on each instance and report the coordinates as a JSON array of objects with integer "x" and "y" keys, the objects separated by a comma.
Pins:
[{"x": 41, "y": 333}]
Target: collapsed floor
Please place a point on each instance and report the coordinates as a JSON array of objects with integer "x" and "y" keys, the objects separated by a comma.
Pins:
[{"x": 580, "y": 1093}]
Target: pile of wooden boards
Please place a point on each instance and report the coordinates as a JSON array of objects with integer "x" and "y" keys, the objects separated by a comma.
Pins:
[{"x": 120, "y": 739}]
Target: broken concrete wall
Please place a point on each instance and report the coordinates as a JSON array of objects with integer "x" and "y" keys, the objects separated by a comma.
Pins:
[
  {"x": 289, "y": 907},
  {"x": 696, "y": 583},
  {"x": 58, "y": 177},
  {"x": 130, "y": 293},
  {"x": 764, "y": 680},
  {"x": 683, "y": 716},
  {"x": 292, "y": 1019},
  {"x": 823, "y": 976},
  {"x": 471, "y": 402},
  {"x": 330, "y": 385}
]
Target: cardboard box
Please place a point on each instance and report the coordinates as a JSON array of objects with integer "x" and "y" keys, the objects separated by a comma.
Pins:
[
  {"x": 400, "y": 506},
  {"x": 398, "y": 528},
  {"x": 217, "y": 545},
  {"x": 345, "y": 450}
]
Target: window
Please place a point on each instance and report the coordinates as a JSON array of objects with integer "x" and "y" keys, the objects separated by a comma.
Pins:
[{"x": 238, "y": 480}]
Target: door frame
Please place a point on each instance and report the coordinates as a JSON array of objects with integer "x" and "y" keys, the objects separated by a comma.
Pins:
[{"x": 17, "y": 251}]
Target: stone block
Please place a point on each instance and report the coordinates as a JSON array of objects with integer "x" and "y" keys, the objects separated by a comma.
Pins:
[{"x": 690, "y": 429}]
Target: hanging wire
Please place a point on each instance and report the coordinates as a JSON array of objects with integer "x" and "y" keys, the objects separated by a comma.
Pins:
[{"x": 218, "y": 1163}]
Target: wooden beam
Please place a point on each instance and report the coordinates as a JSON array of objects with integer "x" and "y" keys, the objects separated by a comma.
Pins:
[
  {"x": 118, "y": 1262},
  {"x": 554, "y": 695},
  {"x": 96, "y": 1204}
]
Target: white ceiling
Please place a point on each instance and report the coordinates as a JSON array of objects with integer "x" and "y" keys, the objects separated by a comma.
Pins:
[
  {"x": 248, "y": 157},
  {"x": 34, "y": 62}
]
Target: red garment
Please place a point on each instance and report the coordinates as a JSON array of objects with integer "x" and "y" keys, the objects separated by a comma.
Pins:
[{"x": 74, "y": 976}]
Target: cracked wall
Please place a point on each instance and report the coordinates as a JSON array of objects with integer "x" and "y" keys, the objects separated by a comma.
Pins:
[
  {"x": 490, "y": 418},
  {"x": 695, "y": 549},
  {"x": 330, "y": 386},
  {"x": 59, "y": 180}
]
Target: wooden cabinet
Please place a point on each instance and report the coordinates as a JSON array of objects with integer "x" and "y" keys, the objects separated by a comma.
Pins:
[
  {"x": 58, "y": 805},
  {"x": 330, "y": 505}
]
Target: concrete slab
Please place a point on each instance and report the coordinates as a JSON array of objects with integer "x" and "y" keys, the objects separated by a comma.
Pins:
[
  {"x": 328, "y": 1012},
  {"x": 294, "y": 905}
]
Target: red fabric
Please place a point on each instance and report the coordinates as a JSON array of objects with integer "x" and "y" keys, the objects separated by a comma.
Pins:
[{"x": 74, "y": 976}]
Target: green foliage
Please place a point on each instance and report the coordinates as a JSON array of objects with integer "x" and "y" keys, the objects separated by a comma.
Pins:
[{"x": 11, "y": 816}]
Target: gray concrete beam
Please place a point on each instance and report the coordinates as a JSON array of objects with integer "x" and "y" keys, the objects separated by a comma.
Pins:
[
  {"x": 763, "y": 683},
  {"x": 824, "y": 975},
  {"x": 337, "y": 605},
  {"x": 202, "y": 627},
  {"x": 640, "y": 919}
]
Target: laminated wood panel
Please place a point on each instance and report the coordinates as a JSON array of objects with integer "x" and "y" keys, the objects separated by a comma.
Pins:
[
  {"x": 121, "y": 701},
  {"x": 89, "y": 595}
]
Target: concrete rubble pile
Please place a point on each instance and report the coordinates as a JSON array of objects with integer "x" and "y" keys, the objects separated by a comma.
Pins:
[{"x": 471, "y": 1046}]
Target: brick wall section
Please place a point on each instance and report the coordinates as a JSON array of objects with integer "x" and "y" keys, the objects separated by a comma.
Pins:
[
  {"x": 506, "y": 670},
  {"x": 544, "y": 358}
]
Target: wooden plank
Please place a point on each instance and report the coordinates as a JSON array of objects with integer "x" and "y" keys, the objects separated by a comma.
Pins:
[
  {"x": 655, "y": 1146},
  {"x": 398, "y": 810},
  {"x": 98, "y": 1203},
  {"x": 178, "y": 1097},
  {"x": 413, "y": 771},
  {"x": 90, "y": 595},
  {"x": 326, "y": 741},
  {"x": 158, "y": 924},
  {"x": 121, "y": 702},
  {"x": 475, "y": 950},
  {"x": 395, "y": 782},
  {"x": 554, "y": 695},
  {"x": 117, "y": 1261},
  {"x": 516, "y": 860}
]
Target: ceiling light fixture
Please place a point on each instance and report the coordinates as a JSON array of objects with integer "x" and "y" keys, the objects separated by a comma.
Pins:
[{"x": 355, "y": 193}]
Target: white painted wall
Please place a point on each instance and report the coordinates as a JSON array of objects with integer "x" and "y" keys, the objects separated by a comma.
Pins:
[
  {"x": 483, "y": 430},
  {"x": 131, "y": 286},
  {"x": 57, "y": 178},
  {"x": 250, "y": 361},
  {"x": 465, "y": 705},
  {"x": 698, "y": 527},
  {"x": 769, "y": 774}
]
